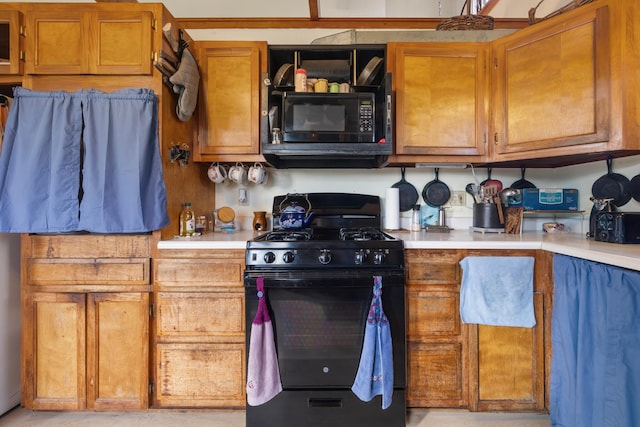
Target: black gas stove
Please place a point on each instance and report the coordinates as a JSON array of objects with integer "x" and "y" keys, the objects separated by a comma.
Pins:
[
  {"x": 318, "y": 285},
  {"x": 345, "y": 233}
]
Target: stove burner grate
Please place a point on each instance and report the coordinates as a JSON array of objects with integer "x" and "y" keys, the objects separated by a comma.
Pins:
[
  {"x": 362, "y": 234},
  {"x": 289, "y": 235}
]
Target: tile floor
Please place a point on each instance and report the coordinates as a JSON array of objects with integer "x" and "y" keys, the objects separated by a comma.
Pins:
[{"x": 20, "y": 417}]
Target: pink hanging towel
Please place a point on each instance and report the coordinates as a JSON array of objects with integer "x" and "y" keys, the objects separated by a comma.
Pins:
[{"x": 263, "y": 373}]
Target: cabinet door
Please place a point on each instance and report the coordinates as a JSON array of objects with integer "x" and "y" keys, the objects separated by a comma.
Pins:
[
  {"x": 57, "y": 40},
  {"x": 441, "y": 98},
  {"x": 508, "y": 368},
  {"x": 552, "y": 87},
  {"x": 54, "y": 351},
  {"x": 117, "y": 351},
  {"x": 10, "y": 42},
  {"x": 123, "y": 42},
  {"x": 230, "y": 98},
  {"x": 64, "y": 39}
]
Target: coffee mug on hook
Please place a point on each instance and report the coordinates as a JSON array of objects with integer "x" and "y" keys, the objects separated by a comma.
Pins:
[
  {"x": 238, "y": 173},
  {"x": 257, "y": 173},
  {"x": 217, "y": 173}
]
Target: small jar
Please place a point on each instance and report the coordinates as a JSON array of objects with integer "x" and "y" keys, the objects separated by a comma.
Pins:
[
  {"x": 322, "y": 85},
  {"x": 201, "y": 225},
  {"x": 415, "y": 219},
  {"x": 301, "y": 80}
]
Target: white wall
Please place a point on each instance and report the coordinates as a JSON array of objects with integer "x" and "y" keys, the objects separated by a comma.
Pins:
[{"x": 375, "y": 181}]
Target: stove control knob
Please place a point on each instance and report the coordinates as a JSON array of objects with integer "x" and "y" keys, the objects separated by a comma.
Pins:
[
  {"x": 359, "y": 257},
  {"x": 288, "y": 257},
  {"x": 269, "y": 257},
  {"x": 325, "y": 256},
  {"x": 379, "y": 257}
]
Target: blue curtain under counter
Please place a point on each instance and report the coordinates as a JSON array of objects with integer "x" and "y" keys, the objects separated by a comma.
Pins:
[{"x": 595, "y": 367}]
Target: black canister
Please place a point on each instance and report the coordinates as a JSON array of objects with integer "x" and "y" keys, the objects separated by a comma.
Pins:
[{"x": 485, "y": 215}]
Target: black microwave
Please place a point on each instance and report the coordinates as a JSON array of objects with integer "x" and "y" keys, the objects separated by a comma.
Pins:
[
  {"x": 328, "y": 117},
  {"x": 331, "y": 130}
]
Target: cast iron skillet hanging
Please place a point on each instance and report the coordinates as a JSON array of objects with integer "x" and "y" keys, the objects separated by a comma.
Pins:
[
  {"x": 487, "y": 182},
  {"x": 436, "y": 193},
  {"x": 634, "y": 188},
  {"x": 522, "y": 183},
  {"x": 408, "y": 193},
  {"x": 612, "y": 186}
]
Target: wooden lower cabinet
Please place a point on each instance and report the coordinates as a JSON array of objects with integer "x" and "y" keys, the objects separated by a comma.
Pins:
[
  {"x": 199, "y": 340},
  {"x": 87, "y": 351},
  {"x": 436, "y": 357},
  {"x": 479, "y": 367},
  {"x": 85, "y": 322}
]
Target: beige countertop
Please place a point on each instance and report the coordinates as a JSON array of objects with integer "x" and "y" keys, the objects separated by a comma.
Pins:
[{"x": 572, "y": 244}]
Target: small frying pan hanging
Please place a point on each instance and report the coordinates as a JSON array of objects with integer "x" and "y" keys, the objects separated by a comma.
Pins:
[
  {"x": 408, "y": 193},
  {"x": 522, "y": 183},
  {"x": 612, "y": 186},
  {"x": 436, "y": 193},
  {"x": 634, "y": 187},
  {"x": 487, "y": 182}
]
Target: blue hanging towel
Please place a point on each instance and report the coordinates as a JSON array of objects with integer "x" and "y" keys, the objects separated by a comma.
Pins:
[
  {"x": 497, "y": 291},
  {"x": 375, "y": 372},
  {"x": 263, "y": 373}
]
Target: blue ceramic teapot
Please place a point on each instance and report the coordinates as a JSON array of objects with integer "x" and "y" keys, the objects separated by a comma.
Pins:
[{"x": 292, "y": 215}]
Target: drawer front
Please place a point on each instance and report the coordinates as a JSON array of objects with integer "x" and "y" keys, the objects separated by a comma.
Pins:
[
  {"x": 435, "y": 374},
  {"x": 433, "y": 268},
  {"x": 198, "y": 274},
  {"x": 88, "y": 271},
  {"x": 200, "y": 375},
  {"x": 191, "y": 316},
  {"x": 433, "y": 314},
  {"x": 89, "y": 246}
]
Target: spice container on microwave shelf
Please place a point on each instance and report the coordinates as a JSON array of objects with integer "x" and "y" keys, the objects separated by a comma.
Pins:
[{"x": 301, "y": 80}]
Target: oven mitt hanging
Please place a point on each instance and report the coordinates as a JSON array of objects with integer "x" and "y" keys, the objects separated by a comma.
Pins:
[
  {"x": 263, "y": 373},
  {"x": 375, "y": 372},
  {"x": 185, "y": 84}
]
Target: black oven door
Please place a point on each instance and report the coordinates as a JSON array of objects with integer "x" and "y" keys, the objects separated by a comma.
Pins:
[{"x": 319, "y": 322}]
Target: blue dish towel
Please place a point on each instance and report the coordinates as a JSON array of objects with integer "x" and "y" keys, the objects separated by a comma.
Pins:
[
  {"x": 375, "y": 372},
  {"x": 497, "y": 291},
  {"x": 263, "y": 373}
]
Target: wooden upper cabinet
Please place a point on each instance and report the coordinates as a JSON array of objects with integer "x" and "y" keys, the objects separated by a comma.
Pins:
[
  {"x": 229, "y": 99},
  {"x": 66, "y": 39},
  {"x": 11, "y": 46},
  {"x": 441, "y": 99},
  {"x": 552, "y": 87}
]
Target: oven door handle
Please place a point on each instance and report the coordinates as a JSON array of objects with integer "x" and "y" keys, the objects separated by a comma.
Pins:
[{"x": 325, "y": 279}]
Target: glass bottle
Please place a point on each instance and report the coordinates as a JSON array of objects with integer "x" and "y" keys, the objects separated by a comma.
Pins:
[
  {"x": 415, "y": 219},
  {"x": 187, "y": 221}
]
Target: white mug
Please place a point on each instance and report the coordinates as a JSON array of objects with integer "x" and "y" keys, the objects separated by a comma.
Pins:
[
  {"x": 238, "y": 173},
  {"x": 257, "y": 173},
  {"x": 217, "y": 173}
]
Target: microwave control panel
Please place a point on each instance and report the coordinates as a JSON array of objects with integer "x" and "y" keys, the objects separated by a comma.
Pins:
[{"x": 366, "y": 117}]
